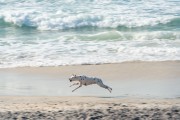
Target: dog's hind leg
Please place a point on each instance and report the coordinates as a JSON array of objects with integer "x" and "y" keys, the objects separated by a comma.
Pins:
[
  {"x": 104, "y": 86},
  {"x": 77, "y": 87}
]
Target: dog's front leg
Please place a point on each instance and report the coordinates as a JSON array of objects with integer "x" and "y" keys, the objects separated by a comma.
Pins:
[
  {"x": 74, "y": 84},
  {"x": 77, "y": 87}
]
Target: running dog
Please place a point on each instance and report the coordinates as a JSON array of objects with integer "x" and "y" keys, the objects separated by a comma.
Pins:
[{"x": 84, "y": 80}]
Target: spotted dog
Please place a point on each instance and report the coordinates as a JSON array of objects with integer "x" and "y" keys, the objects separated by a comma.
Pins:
[{"x": 84, "y": 80}]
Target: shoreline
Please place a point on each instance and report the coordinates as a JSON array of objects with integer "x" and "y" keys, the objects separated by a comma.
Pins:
[
  {"x": 124, "y": 70},
  {"x": 124, "y": 62},
  {"x": 141, "y": 79},
  {"x": 175, "y": 62}
]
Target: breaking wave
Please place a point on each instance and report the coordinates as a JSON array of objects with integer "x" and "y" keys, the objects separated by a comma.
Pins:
[
  {"x": 87, "y": 21},
  {"x": 53, "y": 33}
]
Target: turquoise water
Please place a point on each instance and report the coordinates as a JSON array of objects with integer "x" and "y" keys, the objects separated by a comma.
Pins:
[{"x": 53, "y": 33}]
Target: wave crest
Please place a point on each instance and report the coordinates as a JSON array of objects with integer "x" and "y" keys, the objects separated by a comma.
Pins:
[
  {"x": 49, "y": 22},
  {"x": 135, "y": 36}
]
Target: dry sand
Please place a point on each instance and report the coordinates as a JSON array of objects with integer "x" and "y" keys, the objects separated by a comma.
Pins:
[{"x": 75, "y": 108}]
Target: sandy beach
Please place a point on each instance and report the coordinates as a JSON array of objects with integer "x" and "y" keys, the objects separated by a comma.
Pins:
[
  {"x": 88, "y": 108},
  {"x": 141, "y": 90},
  {"x": 131, "y": 46},
  {"x": 150, "y": 79}
]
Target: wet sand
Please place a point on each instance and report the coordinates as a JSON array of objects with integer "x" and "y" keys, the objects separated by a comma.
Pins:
[
  {"x": 120, "y": 71},
  {"x": 142, "y": 79}
]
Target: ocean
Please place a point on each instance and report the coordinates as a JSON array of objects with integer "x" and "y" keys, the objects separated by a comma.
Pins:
[{"x": 77, "y": 32}]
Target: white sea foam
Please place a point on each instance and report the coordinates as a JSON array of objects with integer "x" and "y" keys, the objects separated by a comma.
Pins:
[
  {"x": 106, "y": 31},
  {"x": 62, "y": 51},
  {"x": 60, "y": 15}
]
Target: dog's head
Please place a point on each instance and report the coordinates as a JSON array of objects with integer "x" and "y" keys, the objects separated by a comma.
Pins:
[{"x": 73, "y": 78}]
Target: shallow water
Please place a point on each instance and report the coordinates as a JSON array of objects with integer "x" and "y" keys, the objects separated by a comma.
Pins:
[
  {"x": 12, "y": 83},
  {"x": 52, "y": 33}
]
